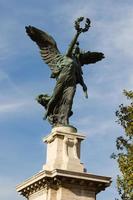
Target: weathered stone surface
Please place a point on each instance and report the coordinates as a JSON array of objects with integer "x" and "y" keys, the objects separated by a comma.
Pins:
[
  {"x": 63, "y": 149},
  {"x": 63, "y": 185}
]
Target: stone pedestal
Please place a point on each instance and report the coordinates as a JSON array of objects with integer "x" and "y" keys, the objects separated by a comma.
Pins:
[
  {"x": 63, "y": 176},
  {"x": 63, "y": 150}
]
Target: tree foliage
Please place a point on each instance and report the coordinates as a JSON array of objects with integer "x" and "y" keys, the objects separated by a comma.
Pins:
[{"x": 124, "y": 145}]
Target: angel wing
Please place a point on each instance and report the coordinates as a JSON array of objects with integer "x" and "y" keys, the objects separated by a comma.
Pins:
[
  {"x": 48, "y": 48},
  {"x": 90, "y": 57}
]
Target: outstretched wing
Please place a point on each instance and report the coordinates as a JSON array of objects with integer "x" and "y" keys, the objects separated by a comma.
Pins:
[
  {"x": 90, "y": 57},
  {"x": 48, "y": 48}
]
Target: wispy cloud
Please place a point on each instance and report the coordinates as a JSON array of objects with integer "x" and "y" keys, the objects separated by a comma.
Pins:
[
  {"x": 12, "y": 98},
  {"x": 12, "y": 107},
  {"x": 3, "y": 75},
  {"x": 119, "y": 34},
  {"x": 6, "y": 81},
  {"x": 91, "y": 127}
]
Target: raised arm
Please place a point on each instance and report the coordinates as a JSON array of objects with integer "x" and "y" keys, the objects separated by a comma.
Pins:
[
  {"x": 72, "y": 44},
  {"x": 79, "y": 31}
]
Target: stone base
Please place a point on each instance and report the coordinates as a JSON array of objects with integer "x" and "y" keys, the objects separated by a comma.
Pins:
[
  {"x": 63, "y": 149},
  {"x": 63, "y": 176},
  {"x": 63, "y": 185}
]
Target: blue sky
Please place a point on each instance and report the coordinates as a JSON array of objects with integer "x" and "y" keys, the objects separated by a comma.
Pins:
[{"x": 23, "y": 76}]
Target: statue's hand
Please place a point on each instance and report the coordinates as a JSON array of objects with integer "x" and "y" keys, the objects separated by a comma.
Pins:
[
  {"x": 85, "y": 90},
  {"x": 86, "y": 94}
]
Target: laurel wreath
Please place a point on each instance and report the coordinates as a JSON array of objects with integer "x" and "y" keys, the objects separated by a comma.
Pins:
[{"x": 80, "y": 29}]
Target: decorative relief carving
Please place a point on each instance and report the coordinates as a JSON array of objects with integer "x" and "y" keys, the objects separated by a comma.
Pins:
[{"x": 54, "y": 183}]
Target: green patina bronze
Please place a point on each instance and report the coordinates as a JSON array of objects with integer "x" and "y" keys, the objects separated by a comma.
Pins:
[{"x": 66, "y": 69}]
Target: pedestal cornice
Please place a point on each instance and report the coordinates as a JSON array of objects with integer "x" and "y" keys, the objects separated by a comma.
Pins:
[{"x": 56, "y": 178}]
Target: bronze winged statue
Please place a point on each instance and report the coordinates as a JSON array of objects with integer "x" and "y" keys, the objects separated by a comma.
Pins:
[{"x": 66, "y": 69}]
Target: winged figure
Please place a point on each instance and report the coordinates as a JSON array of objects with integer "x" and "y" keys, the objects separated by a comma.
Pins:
[{"x": 66, "y": 69}]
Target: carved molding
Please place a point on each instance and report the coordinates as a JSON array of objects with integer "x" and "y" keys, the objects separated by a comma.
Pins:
[{"x": 57, "y": 182}]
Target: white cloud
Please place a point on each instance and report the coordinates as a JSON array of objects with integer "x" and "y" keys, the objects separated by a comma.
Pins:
[
  {"x": 3, "y": 76},
  {"x": 115, "y": 36},
  {"x": 130, "y": 82},
  {"x": 9, "y": 38},
  {"x": 123, "y": 40},
  {"x": 12, "y": 107},
  {"x": 92, "y": 127},
  {"x": 9, "y": 90},
  {"x": 12, "y": 98}
]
